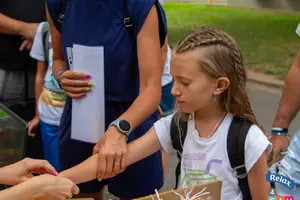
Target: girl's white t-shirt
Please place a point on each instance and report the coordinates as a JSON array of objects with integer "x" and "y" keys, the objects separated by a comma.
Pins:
[{"x": 205, "y": 160}]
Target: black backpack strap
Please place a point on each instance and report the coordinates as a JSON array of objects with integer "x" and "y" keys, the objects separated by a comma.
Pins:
[
  {"x": 127, "y": 19},
  {"x": 178, "y": 135},
  {"x": 62, "y": 11},
  {"x": 236, "y": 138}
]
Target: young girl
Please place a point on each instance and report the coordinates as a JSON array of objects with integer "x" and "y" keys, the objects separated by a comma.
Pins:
[{"x": 210, "y": 88}]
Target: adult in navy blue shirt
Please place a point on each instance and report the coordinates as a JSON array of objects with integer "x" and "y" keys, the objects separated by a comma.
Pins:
[{"x": 133, "y": 70}]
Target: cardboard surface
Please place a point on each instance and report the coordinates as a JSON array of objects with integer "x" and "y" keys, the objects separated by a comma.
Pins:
[
  {"x": 214, "y": 187},
  {"x": 83, "y": 199}
]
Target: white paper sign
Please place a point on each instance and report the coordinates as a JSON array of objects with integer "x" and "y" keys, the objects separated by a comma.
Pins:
[{"x": 88, "y": 114}]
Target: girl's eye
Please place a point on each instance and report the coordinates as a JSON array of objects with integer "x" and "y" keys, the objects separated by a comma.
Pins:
[{"x": 185, "y": 83}]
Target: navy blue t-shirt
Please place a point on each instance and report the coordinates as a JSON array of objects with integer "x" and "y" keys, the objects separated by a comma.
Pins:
[{"x": 101, "y": 23}]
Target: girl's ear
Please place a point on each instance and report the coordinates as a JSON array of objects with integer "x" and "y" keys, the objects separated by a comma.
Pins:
[{"x": 221, "y": 85}]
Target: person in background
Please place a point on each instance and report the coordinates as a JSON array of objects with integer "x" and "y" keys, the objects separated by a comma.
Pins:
[
  {"x": 284, "y": 154},
  {"x": 50, "y": 98},
  {"x": 18, "y": 24},
  {"x": 47, "y": 186}
]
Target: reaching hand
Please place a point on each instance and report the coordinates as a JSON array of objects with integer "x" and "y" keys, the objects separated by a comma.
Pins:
[
  {"x": 75, "y": 84},
  {"x": 48, "y": 187},
  {"x": 32, "y": 126},
  {"x": 28, "y": 30},
  {"x": 280, "y": 146},
  {"x": 112, "y": 154},
  {"x": 22, "y": 170},
  {"x": 26, "y": 44}
]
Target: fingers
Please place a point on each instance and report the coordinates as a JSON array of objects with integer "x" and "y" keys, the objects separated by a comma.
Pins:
[
  {"x": 124, "y": 155},
  {"x": 31, "y": 133},
  {"x": 67, "y": 82},
  {"x": 24, "y": 45},
  {"x": 31, "y": 129},
  {"x": 75, "y": 84},
  {"x": 110, "y": 158},
  {"x": 40, "y": 166},
  {"x": 75, "y": 190},
  {"x": 75, "y": 75},
  {"x": 275, "y": 156},
  {"x": 29, "y": 46},
  {"x": 96, "y": 149},
  {"x": 117, "y": 164}
]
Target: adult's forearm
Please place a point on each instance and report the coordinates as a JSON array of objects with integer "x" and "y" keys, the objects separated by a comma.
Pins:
[
  {"x": 3, "y": 176},
  {"x": 10, "y": 26},
  {"x": 145, "y": 104},
  {"x": 22, "y": 191},
  {"x": 290, "y": 100}
]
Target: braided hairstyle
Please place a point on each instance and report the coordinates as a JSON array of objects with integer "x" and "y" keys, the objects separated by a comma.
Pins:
[{"x": 219, "y": 56}]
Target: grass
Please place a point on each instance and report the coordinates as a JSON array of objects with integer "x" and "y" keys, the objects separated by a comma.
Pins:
[{"x": 267, "y": 39}]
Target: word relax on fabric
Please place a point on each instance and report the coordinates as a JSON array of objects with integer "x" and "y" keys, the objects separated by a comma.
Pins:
[{"x": 280, "y": 179}]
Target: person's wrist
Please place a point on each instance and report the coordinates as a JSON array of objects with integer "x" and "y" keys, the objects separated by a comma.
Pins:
[
  {"x": 117, "y": 134},
  {"x": 7, "y": 175},
  {"x": 2, "y": 176},
  {"x": 278, "y": 131},
  {"x": 21, "y": 26},
  {"x": 35, "y": 187},
  {"x": 59, "y": 76}
]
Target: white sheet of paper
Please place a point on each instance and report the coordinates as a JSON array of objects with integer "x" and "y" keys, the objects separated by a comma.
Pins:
[{"x": 88, "y": 114}]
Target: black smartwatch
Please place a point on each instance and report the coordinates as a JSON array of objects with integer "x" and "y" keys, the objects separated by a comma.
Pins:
[{"x": 122, "y": 126}]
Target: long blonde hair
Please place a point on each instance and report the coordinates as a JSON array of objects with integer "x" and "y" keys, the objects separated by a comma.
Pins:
[{"x": 220, "y": 57}]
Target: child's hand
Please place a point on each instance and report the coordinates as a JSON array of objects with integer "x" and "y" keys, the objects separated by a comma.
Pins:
[
  {"x": 26, "y": 44},
  {"x": 33, "y": 124},
  {"x": 280, "y": 147},
  {"x": 52, "y": 187}
]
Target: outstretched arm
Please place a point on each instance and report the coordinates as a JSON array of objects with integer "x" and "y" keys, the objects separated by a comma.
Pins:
[
  {"x": 290, "y": 100},
  {"x": 137, "y": 150},
  {"x": 16, "y": 27},
  {"x": 287, "y": 110}
]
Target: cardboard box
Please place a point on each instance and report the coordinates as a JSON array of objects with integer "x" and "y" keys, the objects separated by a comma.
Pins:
[
  {"x": 213, "y": 187},
  {"x": 83, "y": 199}
]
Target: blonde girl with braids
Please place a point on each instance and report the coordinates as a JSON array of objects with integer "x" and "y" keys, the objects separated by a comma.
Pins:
[{"x": 210, "y": 89}]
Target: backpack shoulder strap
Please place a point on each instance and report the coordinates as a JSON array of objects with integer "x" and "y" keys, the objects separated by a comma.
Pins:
[
  {"x": 127, "y": 19},
  {"x": 236, "y": 138},
  {"x": 62, "y": 11},
  {"x": 178, "y": 134},
  {"x": 45, "y": 38}
]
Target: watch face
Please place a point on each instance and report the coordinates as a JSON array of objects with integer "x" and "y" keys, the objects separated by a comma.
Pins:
[{"x": 124, "y": 125}]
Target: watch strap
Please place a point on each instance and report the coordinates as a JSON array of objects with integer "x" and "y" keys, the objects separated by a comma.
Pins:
[{"x": 279, "y": 131}]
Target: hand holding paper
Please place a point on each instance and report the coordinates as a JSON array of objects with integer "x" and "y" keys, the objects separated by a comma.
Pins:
[{"x": 88, "y": 123}]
